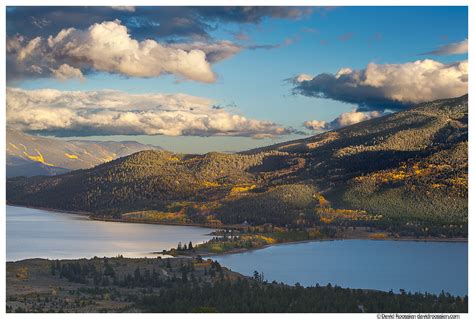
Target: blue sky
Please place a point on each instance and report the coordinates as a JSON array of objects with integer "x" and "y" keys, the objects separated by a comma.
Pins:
[{"x": 253, "y": 82}]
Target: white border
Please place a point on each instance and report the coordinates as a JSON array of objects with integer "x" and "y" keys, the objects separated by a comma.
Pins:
[{"x": 215, "y": 3}]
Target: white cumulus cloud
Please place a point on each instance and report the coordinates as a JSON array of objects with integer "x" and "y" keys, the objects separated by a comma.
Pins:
[
  {"x": 28, "y": 49},
  {"x": 388, "y": 86},
  {"x": 66, "y": 71},
  {"x": 109, "y": 47},
  {"x": 303, "y": 77},
  {"x": 344, "y": 119},
  {"x": 215, "y": 51},
  {"x": 124, "y": 8},
  {"x": 315, "y": 125},
  {"x": 109, "y": 112}
]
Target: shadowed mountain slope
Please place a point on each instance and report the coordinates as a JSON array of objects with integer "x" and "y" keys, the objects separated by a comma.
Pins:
[
  {"x": 29, "y": 155},
  {"x": 407, "y": 168}
]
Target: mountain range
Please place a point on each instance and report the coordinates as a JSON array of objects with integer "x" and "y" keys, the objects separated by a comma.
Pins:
[
  {"x": 29, "y": 155},
  {"x": 405, "y": 172}
]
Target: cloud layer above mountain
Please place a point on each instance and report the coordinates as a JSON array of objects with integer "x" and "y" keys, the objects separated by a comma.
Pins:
[
  {"x": 344, "y": 119},
  {"x": 387, "y": 86},
  {"x": 108, "y": 112}
]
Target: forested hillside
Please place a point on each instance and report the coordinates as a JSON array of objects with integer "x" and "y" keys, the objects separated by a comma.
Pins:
[
  {"x": 406, "y": 172},
  {"x": 156, "y": 285}
]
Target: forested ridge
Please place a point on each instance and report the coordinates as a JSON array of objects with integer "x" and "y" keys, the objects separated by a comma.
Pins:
[
  {"x": 190, "y": 285},
  {"x": 405, "y": 172}
]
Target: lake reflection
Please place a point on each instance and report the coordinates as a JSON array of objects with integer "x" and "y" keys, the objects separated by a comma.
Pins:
[
  {"x": 35, "y": 233},
  {"x": 383, "y": 265}
]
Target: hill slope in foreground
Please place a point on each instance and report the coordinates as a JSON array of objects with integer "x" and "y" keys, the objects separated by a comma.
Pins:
[
  {"x": 29, "y": 155},
  {"x": 405, "y": 172},
  {"x": 156, "y": 285}
]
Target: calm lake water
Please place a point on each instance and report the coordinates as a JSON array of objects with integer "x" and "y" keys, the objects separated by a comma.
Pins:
[
  {"x": 382, "y": 265},
  {"x": 375, "y": 264},
  {"x": 37, "y": 233}
]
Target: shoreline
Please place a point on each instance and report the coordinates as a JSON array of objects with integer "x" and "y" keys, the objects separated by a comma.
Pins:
[
  {"x": 244, "y": 250},
  {"x": 53, "y": 210},
  {"x": 114, "y": 220},
  {"x": 135, "y": 221},
  {"x": 344, "y": 236}
]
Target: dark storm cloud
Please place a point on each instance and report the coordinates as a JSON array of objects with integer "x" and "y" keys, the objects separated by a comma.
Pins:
[
  {"x": 328, "y": 86},
  {"x": 251, "y": 14},
  {"x": 143, "y": 22},
  {"x": 39, "y": 39}
]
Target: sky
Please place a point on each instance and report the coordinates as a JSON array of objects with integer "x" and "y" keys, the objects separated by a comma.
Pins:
[{"x": 200, "y": 79}]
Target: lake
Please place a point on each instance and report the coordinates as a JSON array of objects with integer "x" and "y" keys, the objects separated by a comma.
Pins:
[
  {"x": 37, "y": 233},
  {"x": 383, "y": 265},
  {"x": 375, "y": 264}
]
